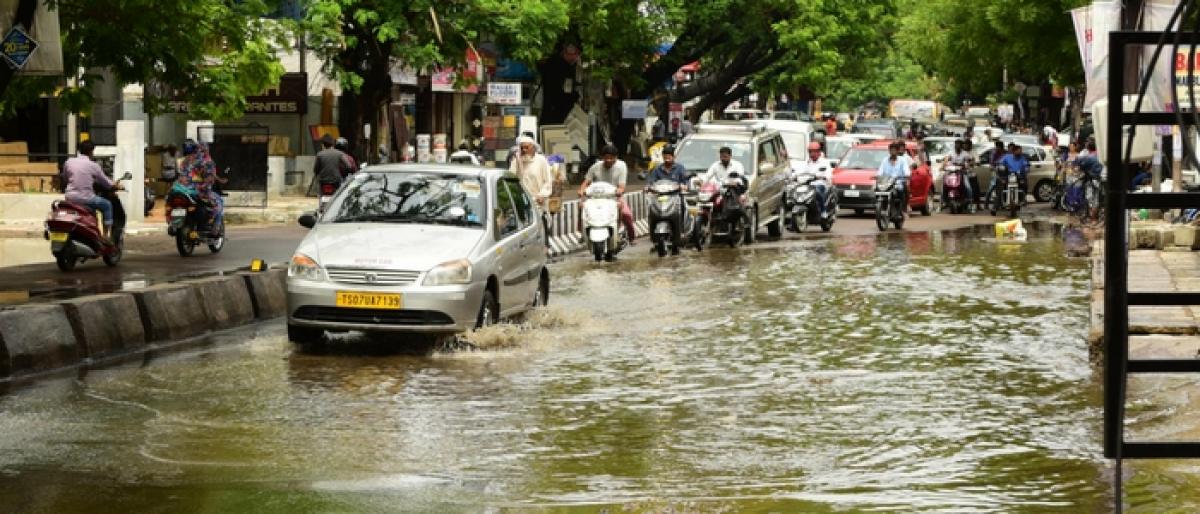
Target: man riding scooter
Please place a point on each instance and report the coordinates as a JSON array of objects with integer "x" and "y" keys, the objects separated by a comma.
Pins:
[
  {"x": 818, "y": 165},
  {"x": 613, "y": 171},
  {"x": 669, "y": 170},
  {"x": 82, "y": 174}
]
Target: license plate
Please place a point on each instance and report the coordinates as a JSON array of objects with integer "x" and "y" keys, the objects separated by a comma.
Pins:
[
  {"x": 59, "y": 237},
  {"x": 368, "y": 300},
  {"x": 850, "y": 193},
  {"x": 694, "y": 210},
  {"x": 176, "y": 213}
]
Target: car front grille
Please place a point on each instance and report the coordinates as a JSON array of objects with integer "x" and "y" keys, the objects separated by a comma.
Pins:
[
  {"x": 374, "y": 277},
  {"x": 372, "y": 316}
]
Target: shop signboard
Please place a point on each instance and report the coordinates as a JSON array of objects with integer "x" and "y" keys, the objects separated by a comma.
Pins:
[{"x": 504, "y": 93}]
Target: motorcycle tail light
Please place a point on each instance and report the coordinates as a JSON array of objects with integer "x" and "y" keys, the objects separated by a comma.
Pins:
[
  {"x": 327, "y": 189},
  {"x": 178, "y": 201}
]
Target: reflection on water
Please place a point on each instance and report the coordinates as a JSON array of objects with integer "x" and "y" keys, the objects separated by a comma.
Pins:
[{"x": 904, "y": 371}]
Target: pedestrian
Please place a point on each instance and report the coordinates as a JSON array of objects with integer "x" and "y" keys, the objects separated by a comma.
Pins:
[{"x": 533, "y": 170}]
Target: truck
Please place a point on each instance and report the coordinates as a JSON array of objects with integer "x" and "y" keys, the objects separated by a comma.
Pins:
[{"x": 920, "y": 110}]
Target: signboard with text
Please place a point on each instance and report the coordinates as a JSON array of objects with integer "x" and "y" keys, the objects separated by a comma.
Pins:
[
  {"x": 289, "y": 97},
  {"x": 17, "y": 48},
  {"x": 504, "y": 93}
]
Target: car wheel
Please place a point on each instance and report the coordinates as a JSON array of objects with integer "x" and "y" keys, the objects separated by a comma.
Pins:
[
  {"x": 304, "y": 335},
  {"x": 487, "y": 311},
  {"x": 1044, "y": 191},
  {"x": 775, "y": 228},
  {"x": 751, "y": 229},
  {"x": 541, "y": 297}
]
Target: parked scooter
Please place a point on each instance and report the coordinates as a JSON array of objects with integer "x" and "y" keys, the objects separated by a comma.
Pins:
[
  {"x": 801, "y": 204},
  {"x": 669, "y": 218},
  {"x": 188, "y": 222},
  {"x": 75, "y": 235},
  {"x": 954, "y": 189},
  {"x": 730, "y": 219},
  {"x": 1009, "y": 194},
  {"x": 889, "y": 203},
  {"x": 602, "y": 221}
]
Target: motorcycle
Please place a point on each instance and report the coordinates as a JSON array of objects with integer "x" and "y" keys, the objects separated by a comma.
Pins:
[
  {"x": 75, "y": 235},
  {"x": 326, "y": 196},
  {"x": 707, "y": 193},
  {"x": 1009, "y": 192},
  {"x": 669, "y": 217},
  {"x": 188, "y": 222},
  {"x": 729, "y": 217},
  {"x": 1082, "y": 193},
  {"x": 954, "y": 187},
  {"x": 889, "y": 203},
  {"x": 800, "y": 204},
  {"x": 602, "y": 221}
]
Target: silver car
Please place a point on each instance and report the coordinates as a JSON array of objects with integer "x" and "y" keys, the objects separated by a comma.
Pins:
[{"x": 434, "y": 249}]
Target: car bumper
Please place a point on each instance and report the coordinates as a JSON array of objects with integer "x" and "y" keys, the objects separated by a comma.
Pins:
[
  {"x": 865, "y": 198},
  {"x": 429, "y": 310}
]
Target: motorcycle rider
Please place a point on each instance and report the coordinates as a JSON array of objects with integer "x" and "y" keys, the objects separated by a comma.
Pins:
[
  {"x": 82, "y": 174},
  {"x": 818, "y": 165},
  {"x": 351, "y": 164},
  {"x": 1018, "y": 164},
  {"x": 896, "y": 166},
  {"x": 330, "y": 165},
  {"x": 963, "y": 159},
  {"x": 674, "y": 172},
  {"x": 613, "y": 171}
]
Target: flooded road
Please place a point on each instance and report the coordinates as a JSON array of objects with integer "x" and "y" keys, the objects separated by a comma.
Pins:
[{"x": 910, "y": 371}]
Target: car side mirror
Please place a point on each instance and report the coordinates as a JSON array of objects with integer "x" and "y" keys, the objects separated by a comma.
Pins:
[{"x": 308, "y": 219}]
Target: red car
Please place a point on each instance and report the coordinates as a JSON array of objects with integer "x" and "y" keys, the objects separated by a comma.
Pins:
[{"x": 854, "y": 177}]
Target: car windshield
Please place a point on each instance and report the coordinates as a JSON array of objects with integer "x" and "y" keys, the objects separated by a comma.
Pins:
[
  {"x": 699, "y": 155},
  {"x": 410, "y": 198},
  {"x": 795, "y": 143},
  {"x": 864, "y": 158},
  {"x": 836, "y": 148},
  {"x": 882, "y": 130},
  {"x": 939, "y": 147}
]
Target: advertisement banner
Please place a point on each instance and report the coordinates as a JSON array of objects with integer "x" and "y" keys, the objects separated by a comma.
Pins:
[
  {"x": 1092, "y": 25},
  {"x": 676, "y": 117},
  {"x": 1158, "y": 94},
  {"x": 504, "y": 93}
]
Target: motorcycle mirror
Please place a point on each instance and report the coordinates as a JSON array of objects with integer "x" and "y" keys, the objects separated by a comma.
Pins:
[
  {"x": 126, "y": 176},
  {"x": 308, "y": 219}
]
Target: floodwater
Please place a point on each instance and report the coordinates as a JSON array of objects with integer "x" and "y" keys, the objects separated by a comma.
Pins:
[{"x": 909, "y": 371}]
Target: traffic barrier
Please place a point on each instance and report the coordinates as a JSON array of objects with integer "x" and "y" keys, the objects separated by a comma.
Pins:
[
  {"x": 106, "y": 325},
  {"x": 566, "y": 227},
  {"x": 171, "y": 312},
  {"x": 226, "y": 300},
  {"x": 268, "y": 292},
  {"x": 36, "y": 338}
]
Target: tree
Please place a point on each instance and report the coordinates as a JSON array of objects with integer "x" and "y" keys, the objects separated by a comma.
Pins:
[
  {"x": 211, "y": 53},
  {"x": 361, "y": 40},
  {"x": 969, "y": 48}
]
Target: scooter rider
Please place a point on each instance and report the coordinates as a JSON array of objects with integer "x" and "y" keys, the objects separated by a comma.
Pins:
[
  {"x": 1018, "y": 164},
  {"x": 82, "y": 174},
  {"x": 963, "y": 159},
  {"x": 674, "y": 172},
  {"x": 817, "y": 165},
  {"x": 330, "y": 165},
  {"x": 613, "y": 171}
]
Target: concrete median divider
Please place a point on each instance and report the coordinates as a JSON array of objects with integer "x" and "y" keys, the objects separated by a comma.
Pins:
[
  {"x": 171, "y": 312},
  {"x": 36, "y": 338},
  {"x": 226, "y": 300},
  {"x": 106, "y": 325},
  {"x": 268, "y": 292}
]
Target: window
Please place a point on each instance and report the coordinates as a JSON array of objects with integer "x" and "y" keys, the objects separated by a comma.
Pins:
[
  {"x": 409, "y": 197},
  {"x": 507, "y": 221},
  {"x": 522, "y": 202},
  {"x": 767, "y": 155}
]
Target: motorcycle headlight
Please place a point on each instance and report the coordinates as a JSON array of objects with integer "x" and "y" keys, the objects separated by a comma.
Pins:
[
  {"x": 449, "y": 273},
  {"x": 304, "y": 267},
  {"x": 704, "y": 197}
]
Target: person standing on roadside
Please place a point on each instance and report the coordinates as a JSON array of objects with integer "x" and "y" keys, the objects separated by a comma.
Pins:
[{"x": 533, "y": 170}]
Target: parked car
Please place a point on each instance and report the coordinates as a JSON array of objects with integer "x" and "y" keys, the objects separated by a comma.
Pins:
[
  {"x": 760, "y": 150},
  {"x": 1041, "y": 169},
  {"x": 854, "y": 177},
  {"x": 789, "y": 116},
  {"x": 743, "y": 114},
  {"x": 837, "y": 146},
  {"x": 796, "y": 135},
  {"x": 435, "y": 249}
]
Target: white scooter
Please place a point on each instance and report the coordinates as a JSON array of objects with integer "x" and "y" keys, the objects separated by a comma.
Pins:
[{"x": 602, "y": 221}]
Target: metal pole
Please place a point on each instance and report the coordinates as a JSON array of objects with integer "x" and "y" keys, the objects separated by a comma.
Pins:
[{"x": 1116, "y": 312}]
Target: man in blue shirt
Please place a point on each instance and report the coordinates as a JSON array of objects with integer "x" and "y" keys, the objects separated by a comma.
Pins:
[
  {"x": 669, "y": 169},
  {"x": 897, "y": 165},
  {"x": 1018, "y": 164}
]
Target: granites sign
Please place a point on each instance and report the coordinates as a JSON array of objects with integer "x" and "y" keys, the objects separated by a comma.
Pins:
[{"x": 290, "y": 97}]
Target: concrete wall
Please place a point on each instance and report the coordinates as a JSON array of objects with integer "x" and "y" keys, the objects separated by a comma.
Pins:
[{"x": 50, "y": 339}]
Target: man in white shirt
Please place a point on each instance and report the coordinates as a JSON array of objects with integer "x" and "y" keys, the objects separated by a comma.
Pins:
[
  {"x": 612, "y": 170},
  {"x": 818, "y": 165},
  {"x": 724, "y": 166},
  {"x": 533, "y": 171}
]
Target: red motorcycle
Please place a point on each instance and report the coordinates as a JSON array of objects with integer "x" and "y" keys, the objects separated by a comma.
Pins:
[{"x": 75, "y": 235}]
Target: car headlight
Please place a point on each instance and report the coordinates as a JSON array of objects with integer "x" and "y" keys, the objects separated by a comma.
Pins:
[
  {"x": 449, "y": 273},
  {"x": 304, "y": 267}
]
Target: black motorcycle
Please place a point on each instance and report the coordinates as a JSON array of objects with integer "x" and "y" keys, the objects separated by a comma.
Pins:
[
  {"x": 730, "y": 217},
  {"x": 802, "y": 206},
  {"x": 188, "y": 219},
  {"x": 669, "y": 217},
  {"x": 889, "y": 202},
  {"x": 1009, "y": 192}
]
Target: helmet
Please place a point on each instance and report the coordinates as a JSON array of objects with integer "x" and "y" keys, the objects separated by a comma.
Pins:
[
  {"x": 814, "y": 146},
  {"x": 341, "y": 143},
  {"x": 189, "y": 147}
]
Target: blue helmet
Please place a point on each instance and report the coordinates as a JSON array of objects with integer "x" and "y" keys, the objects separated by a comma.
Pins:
[{"x": 189, "y": 147}]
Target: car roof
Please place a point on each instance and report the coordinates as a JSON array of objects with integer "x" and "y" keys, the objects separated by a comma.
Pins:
[
  {"x": 746, "y": 130},
  {"x": 440, "y": 169},
  {"x": 784, "y": 125}
]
